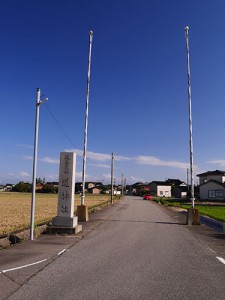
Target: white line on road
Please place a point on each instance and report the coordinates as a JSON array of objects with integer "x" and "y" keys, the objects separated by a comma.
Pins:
[
  {"x": 221, "y": 259},
  {"x": 61, "y": 252},
  {"x": 25, "y": 266}
]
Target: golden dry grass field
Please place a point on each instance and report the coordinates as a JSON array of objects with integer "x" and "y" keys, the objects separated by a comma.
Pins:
[{"x": 15, "y": 209}]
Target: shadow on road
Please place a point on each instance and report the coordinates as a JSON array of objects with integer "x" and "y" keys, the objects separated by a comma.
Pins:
[
  {"x": 170, "y": 223},
  {"x": 143, "y": 221}
]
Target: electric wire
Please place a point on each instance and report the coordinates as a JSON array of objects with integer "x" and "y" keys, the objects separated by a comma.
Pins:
[{"x": 59, "y": 125}]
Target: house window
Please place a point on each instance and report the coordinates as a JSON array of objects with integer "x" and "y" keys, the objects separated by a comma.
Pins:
[
  {"x": 215, "y": 194},
  {"x": 161, "y": 193},
  {"x": 219, "y": 194},
  {"x": 211, "y": 194}
]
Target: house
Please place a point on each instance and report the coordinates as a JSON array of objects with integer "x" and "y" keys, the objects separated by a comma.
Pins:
[
  {"x": 88, "y": 186},
  {"x": 138, "y": 188},
  {"x": 212, "y": 185},
  {"x": 9, "y": 187},
  {"x": 160, "y": 188},
  {"x": 2, "y": 188},
  {"x": 180, "y": 191},
  {"x": 176, "y": 182},
  {"x": 94, "y": 191},
  {"x": 179, "y": 188},
  {"x": 54, "y": 183}
]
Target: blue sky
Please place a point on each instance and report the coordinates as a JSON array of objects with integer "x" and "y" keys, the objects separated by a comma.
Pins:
[{"x": 138, "y": 105}]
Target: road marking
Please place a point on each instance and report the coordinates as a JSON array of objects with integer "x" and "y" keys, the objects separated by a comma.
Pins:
[
  {"x": 25, "y": 266},
  {"x": 61, "y": 252},
  {"x": 221, "y": 259}
]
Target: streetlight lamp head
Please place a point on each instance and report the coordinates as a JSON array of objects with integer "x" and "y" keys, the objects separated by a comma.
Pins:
[{"x": 186, "y": 28}]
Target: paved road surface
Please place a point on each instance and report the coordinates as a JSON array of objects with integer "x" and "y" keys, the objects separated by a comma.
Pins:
[{"x": 139, "y": 252}]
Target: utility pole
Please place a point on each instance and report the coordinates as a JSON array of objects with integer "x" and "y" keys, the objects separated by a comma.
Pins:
[
  {"x": 122, "y": 182},
  {"x": 187, "y": 179},
  {"x": 38, "y": 103},
  {"x": 86, "y": 119},
  {"x": 112, "y": 177},
  {"x": 190, "y": 116},
  {"x": 125, "y": 183}
]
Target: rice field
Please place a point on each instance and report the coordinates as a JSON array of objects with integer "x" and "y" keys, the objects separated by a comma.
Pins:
[
  {"x": 215, "y": 212},
  {"x": 15, "y": 209}
]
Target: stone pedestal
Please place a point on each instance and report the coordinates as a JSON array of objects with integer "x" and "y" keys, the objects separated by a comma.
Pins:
[
  {"x": 64, "y": 230},
  {"x": 64, "y": 221},
  {"x": 82, "y": 213},
  {"x": 193, "y": 217}
]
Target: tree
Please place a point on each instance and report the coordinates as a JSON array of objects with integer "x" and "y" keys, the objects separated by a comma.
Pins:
[
  {"x": 48, "y": 189},
  {"x": 23, "y": 187}
]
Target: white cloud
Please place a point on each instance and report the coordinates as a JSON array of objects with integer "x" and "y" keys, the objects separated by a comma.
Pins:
[
  {"x": 141, "y": 159},
  {"x": 24, "y": 174},
  {"x": 107, "y": 176},
  {"x": 51, "y": 177},
  {"x": 220, "y": 162},
  {"x": 49, "y": 160},
  {"x": 101, "y": 166},
  {"x": 98, "y": 156},
  {"x": 135, "y": 179},
  {"x": 15, "y": 177},
  {"x": 24, "y": 146},
  {"x": 79, "y": 176},
  {"x": 91, "y": 155},
  {"x": 28, "y": 157},
  {"x": 151, "y": 160}
]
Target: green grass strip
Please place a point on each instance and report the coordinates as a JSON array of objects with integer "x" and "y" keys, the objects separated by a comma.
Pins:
[{"x": 215, "y": 212}]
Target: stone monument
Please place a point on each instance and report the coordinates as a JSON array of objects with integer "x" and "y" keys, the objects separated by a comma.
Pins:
[{"x": 65, "y": 221}]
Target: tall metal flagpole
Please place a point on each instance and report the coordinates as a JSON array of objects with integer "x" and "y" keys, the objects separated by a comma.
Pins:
[
  {"x": 86, "y": 119},
  {"x": 38, "y": 103},
  {"x": 190, "y": 117}
]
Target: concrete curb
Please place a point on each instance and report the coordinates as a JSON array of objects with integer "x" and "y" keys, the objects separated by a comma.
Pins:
[{"x": 18, "y": 237}]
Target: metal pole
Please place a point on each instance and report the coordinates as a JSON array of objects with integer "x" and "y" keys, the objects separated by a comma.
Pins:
[
  {"x": 122, "y": 178},
  {"x": 187, "y": 179},
  {"x": 190, "y": 117},
  {"x": 35, "y": 163},
  {"x": 86, "y": 119},
  {"x": 38, "y": 103},
  {"x": 112, "y": 175}
]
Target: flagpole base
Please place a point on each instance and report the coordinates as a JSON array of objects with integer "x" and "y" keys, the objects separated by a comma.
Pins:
[
  {"x": 82, "y": 213},
  {"x": 193, "y": 217}
]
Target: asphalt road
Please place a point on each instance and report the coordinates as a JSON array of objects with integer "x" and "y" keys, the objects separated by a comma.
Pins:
[{"x": 139, "y": 251}]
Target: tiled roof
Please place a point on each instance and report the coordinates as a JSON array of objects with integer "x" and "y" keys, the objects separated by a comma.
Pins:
[
  {"x": 216, "y": 172},
  {"x": 215, "y": 181},
  {"x": 161, "y": 183}
]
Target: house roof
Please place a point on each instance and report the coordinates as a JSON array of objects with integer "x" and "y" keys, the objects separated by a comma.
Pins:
[
  {"x": 174, "y": 181},
  {"x": 216, "y": 172},
  {"x": 94, "y": 188},
  {"x": 182, "y": 188},
  {"x": 161, "y": 183},
  {"x": 215, "y": 181}
]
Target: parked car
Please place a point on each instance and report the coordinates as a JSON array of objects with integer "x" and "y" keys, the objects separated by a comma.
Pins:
[{"x": 147, "y": 197}]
